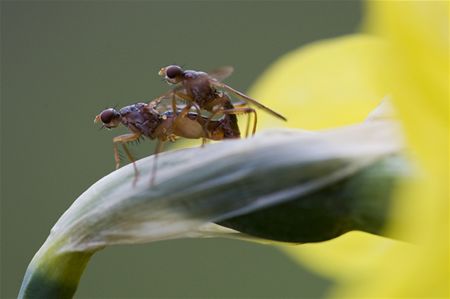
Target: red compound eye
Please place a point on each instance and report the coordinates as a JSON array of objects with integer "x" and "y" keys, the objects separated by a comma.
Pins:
[
  {"x": 173, "y": 71},
  {"x": 108, "y": 115}
]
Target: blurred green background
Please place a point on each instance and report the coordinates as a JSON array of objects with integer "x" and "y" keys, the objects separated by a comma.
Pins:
[{"x": 63, "y": 62}]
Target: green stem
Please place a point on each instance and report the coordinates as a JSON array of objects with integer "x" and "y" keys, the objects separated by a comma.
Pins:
[
  {"x": 360, "y": 202},
  {"x": 283, "y": 185},
  {"x": 52, "y": 274}
]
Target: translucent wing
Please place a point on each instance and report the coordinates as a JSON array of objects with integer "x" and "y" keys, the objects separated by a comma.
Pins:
[
  {"x": 249, "y": 99},
  {"x": 221, "y": 73}
]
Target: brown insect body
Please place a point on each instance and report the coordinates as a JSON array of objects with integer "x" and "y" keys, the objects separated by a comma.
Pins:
[
  {"x": 197, "y": 89},
  {"x": 139, "y": 118},
  {"x": 144, "y": 120},
  {"x": 203, "y": 91},
  {"x": 197, "y": 86}
]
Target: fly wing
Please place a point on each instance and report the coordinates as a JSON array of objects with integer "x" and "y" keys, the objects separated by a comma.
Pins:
[
  {"x": 248, "y": 99},
  {"x": 221, "y": 73}
]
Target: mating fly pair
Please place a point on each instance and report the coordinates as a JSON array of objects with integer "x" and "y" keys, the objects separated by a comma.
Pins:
[{"x": 198, "y": 90}]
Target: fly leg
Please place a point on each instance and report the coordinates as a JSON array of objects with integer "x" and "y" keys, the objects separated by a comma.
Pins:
[
  {"x": 244, "y": 110},
  {"x": 220, "y": 103},
  {"x": 174, "y": 105},
  {"x": 156, "y": 101},
  {"x": 243, "y": 104},
  {"x": 226, "y": 107},
  {"x": 123, "y": 139},
  {"x": 246, "y": 98},
  {"x": 191, "y": 103},
  {"x": 159, "y": 148}
]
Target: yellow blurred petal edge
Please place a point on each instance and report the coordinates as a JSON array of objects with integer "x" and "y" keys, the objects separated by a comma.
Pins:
[
  {"x": 337, "y": 82},
  {"x": 310, "y": 86}
]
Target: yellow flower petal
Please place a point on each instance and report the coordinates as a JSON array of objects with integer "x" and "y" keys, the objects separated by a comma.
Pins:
[
  {"x": 338, "y": 82},
  {"x": 330, "y": 83},
  {"x": 326, "y": 84},
  {"x": 419, "y": 32},
  {"x": 351, "y": 255}
]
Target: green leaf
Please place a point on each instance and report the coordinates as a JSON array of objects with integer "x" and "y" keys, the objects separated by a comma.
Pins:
[{"x": 285, "y": 185}]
